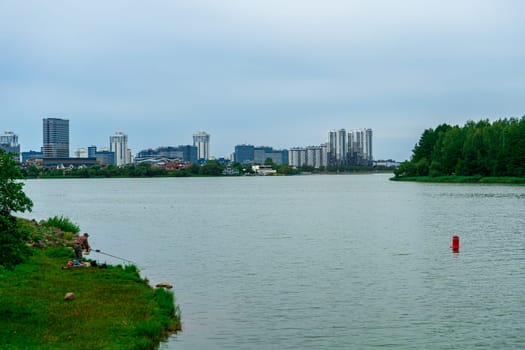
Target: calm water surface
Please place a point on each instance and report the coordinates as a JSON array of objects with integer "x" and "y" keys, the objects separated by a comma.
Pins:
[{"x": 315, "y": 262}]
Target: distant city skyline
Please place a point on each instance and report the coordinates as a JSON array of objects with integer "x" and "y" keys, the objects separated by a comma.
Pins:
[
  {"x": 278, "y": 73},
  {"x": 118, "y": 143},
  {"x": 345, "y": 147}
]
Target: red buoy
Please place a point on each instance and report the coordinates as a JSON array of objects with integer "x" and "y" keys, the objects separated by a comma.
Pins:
[{"x": 455, "y": 244}]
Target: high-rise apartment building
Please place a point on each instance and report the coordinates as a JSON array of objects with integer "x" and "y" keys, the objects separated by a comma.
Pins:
[
  {"x": 297, "y": 157},
  {"x": 9, "y": 138},
  {"x": 314, "y": 156},
  {"x": 324, "y": 154},
  {"x": 9, "y": 143},
  {"x": 119, "y": 144},
  {"x": 56, "y": 138},
  {"x": 338, "y": 147},
  {"x": 360, "y": 146},
  {"x": 201, "y": 140},
  {"x": 352, "y": 148},
  {"x": 368, "y": 149}
]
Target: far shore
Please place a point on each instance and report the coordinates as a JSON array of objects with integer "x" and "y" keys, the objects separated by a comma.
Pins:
[
  {"x": 462, "y": 179},
  {"x": 304, "y": 173}
]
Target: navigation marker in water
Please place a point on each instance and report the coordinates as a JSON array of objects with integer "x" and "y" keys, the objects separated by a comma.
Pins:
[{"x": 455, "y": 244}]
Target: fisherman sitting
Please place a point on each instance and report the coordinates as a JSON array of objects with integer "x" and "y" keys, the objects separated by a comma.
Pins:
[{"x": 81, "y": 243}]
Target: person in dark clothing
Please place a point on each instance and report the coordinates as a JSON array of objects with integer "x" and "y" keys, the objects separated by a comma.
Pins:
[{"x": 81, "y": 243}]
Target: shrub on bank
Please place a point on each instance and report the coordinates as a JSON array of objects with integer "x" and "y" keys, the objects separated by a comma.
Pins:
[{"x": 63, "y": 224}]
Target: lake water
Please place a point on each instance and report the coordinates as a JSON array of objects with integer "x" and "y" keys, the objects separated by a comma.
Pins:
[{"x": 314, "y": 262}]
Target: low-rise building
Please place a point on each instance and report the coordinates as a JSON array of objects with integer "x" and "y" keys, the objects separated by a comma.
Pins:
[
  {"x": 263, "y": 170},
  {"x": 183, "y": 153}
]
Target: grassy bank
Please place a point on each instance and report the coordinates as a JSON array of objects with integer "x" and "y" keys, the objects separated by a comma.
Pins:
[
  {"x": 462, "y": 179},
  {"x": 114, "y": 308}
]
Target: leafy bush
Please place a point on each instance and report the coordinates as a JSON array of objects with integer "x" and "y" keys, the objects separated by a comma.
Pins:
[
  {"x": 13, "y": 249},
  {"x": 63, "y": 224}
]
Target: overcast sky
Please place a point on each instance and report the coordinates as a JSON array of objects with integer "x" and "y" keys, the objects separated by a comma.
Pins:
[{"x": 280, "y": 73}]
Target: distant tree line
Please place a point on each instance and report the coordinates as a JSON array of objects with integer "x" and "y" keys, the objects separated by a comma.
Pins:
[
  {"x": 477, "y": 149},
  {"x": 136, "y": 170},
  {"x": 286, "y": 169}
]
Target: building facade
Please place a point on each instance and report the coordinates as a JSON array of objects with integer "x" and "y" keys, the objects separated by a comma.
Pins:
[
  {"x": 360, "y": 147},
  {"x": 9, "y": 143},
  {"x": 80, "y": 153},
  {"x": 201, "y": 140},
  {"x": 261, "y": 153},
  {"x": 297, "y": 157},
  {"x": 119, "y": 145},
  {"x": 313, "y": 156},
  {"x": 183, "y": 153},
  {"x": 56, "y": 138},
  {"x": 349, "y": 148},
  {"x": 30, "y": 155},
  {"x": 244, "y": 154},
  {"x": 9, "y": 138},
  {"x": 105, "y": 157},
  {"x": 91, "y": 151},
  {"x": 62, "y": 163}
]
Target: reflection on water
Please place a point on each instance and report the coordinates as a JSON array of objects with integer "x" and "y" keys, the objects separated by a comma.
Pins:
[{"x": 315, "y": 262}]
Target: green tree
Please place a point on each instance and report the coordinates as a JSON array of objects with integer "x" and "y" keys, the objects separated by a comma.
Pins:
[
  {"x": 476, "y": 149},
  {"x": 32, "y": 171},
  {"x": 425, "y": 146},
  {"x": 269, "y": 161},
  {"x": 13, "y": 249},
  {"x": 451, "y": 149},
  {"x": 406, "y": 168},
  {"x": 285, "y": 169},
  {"x": 474, "y": 156},
  {"x": 212, "y": 167},
  {"x": 111, "y": 171},
  {"x": 182, "y": 172}
]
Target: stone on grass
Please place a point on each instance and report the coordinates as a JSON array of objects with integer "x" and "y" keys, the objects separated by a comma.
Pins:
[
  {"x": 164, "y": 285},
  {"x": 69, "y": 296}
]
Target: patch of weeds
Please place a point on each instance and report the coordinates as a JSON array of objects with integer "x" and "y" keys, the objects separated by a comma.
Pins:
[{"x": 63, "y": 224}]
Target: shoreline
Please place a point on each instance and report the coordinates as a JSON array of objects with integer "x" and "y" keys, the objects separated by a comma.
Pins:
[
  {"x": 364, "y": 172},
  {"x": 113, "y": 306},
  {"x": 462, "y": 179}
]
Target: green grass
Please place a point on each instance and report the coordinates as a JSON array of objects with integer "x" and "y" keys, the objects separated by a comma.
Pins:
[
  {"x": 114, "y": 308},
  {"x": 63, "y": 224},
  {"x": 463, "y": 179}
]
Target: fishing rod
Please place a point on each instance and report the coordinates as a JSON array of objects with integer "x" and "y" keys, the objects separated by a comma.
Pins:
[{"x": 113, "y": 256}]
